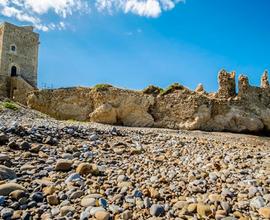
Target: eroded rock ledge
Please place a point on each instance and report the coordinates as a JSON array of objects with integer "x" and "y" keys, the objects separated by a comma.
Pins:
[{"x": 177, "y": 107}]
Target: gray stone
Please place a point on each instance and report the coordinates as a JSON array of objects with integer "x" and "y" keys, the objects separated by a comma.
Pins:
[
  {"x": 4, "y": 157},
  {"x": 85, "y": 215},
  {"x": 7, "y": 173},
  {"x": 257, "y": 202},
  {"x": 77, "y": 194},
  {"x": 2, "y": 200},
  {"x": 6, "y": 213},
  {"x": 55, "y": 211},
  {"x": 75, "y": 177},
  {"x": 227, "y": 193},
  {"x": 147, "y": 202},
  {"x": 157, "y": 210}
]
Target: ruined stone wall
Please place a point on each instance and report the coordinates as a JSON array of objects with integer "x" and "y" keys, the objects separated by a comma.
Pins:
[
  {"x": 181, "y": 108},
  {"x": 63, "y": 104},
  {"x": 227, "y": 86}
]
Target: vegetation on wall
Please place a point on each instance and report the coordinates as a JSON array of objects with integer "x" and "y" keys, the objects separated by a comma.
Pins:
[{"x": 10, "y": 105}]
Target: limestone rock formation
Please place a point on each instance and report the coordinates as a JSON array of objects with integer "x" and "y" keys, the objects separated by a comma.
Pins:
[{"x": 177, "y": 108}]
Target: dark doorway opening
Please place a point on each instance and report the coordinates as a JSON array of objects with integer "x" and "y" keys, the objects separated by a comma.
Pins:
[{"x": 13, "y": 71}]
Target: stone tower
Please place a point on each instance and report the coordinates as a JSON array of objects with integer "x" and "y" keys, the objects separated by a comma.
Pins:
[{"x": 18, "y": 60}]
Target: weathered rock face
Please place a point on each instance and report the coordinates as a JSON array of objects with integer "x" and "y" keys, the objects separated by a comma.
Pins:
[
  {"x": 123, "y": 107},
  {"x": 181, "y": 108},
  {"x": 108, "y": 106}
]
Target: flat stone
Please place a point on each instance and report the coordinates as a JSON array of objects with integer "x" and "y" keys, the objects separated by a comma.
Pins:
[
  {"x": 4, "y": 157},
  {"x": 66, "y": 209},
  {"x": 74, "y": 177},
  {"x": 27, "y": 167},
  {"x": 7, "y": 173},
  {"x": 77, "y": 194},
  {"x": 7, "y": 188},
  {"x": 88, "y": 201}
]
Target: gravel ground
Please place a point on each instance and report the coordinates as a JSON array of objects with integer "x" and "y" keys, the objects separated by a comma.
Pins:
[{"x": 53, "y": 169}]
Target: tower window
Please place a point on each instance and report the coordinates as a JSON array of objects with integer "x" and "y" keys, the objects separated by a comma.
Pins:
[
  {"x": 13, "y": 71},
  {"x": 13, "y": 48}
]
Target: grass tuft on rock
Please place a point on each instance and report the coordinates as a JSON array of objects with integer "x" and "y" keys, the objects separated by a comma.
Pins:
[
  {"x": 172, "y": 88},
  {"x": 10, "y": 105},
  {"x": 152, "y": 90}
]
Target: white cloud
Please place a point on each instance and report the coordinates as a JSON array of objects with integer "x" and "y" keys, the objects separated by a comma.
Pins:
[
  {"x": 34, "y": 11},
  {"x": 148, "y": 8}
]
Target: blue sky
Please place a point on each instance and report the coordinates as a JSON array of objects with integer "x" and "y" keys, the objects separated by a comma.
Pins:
[{"x": 187, "y": 43}]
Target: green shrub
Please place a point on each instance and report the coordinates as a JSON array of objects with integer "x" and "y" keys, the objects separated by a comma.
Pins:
[
  {"x": 10, "y": 105},
  {"x": 152, "y": 90},
  {"x": 102, "y": 87},
  {"x": 172, "y": 88}
]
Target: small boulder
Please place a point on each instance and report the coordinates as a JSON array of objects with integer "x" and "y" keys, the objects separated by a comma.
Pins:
[
  {"x": 84, "y": 169},
  {"x": 25, "y": 146},
  {"x": 88, "y": 201},
  {"x": 17, "y": 194},
  {"x": 49, "y": 190},
  {"x": 53, "y": 199},
  {"x": 3, "y": 139},
  {"x": 157, "y": 210},
  {"x": 13, "y": 145},
  {"x": 102, "y": 215},
  {"x": 66, "y": 209},
  {"x": 204, "y": 210},
  {"x": 265, "y": 212},
  {"x": 63, "y": 165}
]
